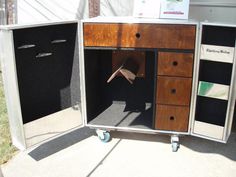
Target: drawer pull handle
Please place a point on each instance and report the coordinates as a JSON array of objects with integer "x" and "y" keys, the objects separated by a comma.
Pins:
[
  {"x": 172, "y": 118},
  {"x": 175, "y": 63},
  {"x": 56, "y": 41},
  {"x": 40, "y": 55},
  {"x": 173, "y": 91},
  {"x": 138, "y": 35},
  {"x": 26, "y": 46}
]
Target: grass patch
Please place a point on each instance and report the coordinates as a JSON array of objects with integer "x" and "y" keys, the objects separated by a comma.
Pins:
[{"x": 7, "y": 150}]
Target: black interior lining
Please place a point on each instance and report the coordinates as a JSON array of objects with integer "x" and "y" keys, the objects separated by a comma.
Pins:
[
  {"x": 110, "y": 102},
  {"x": 218, "y": 35},
  {"x": 215, "y": 72},
  {"x": 210, "y": 110},
  {"x": 45, "y": 82}
]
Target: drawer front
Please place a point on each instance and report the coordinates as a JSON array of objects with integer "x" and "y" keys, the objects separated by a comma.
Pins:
[
  {"x": 172, "y": 118},
  {"x": 139, "y": 35},
  {"x": 175, "y": 64},
  {"x": 173, "y": 90}
]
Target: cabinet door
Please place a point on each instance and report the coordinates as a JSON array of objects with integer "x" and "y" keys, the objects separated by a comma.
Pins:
[
  {"x": 215, "y": 97},
  {"x": 46, "y": 84}
]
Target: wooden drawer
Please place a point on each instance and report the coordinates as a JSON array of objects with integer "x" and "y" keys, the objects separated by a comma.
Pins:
[
  {"x": 172, "y": 118},
  {"x": 173, "y": 90},
  {"x": 175, "y": 64},
  {"x": 173, "y": 36}
]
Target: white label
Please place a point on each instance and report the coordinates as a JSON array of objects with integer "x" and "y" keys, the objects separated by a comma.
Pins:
[
  {"x": 174, "y": 9},
  {"x": 217, "y": 53},
  {"x": 146, "y": 8}
]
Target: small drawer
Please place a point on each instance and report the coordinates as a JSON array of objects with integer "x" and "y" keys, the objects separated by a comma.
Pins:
[
  {"x": 175, "y": 64},
  {"x": 170, "y": 36},
  {"x": 173, "y": 90},
  {"x": 172, "y": 118}
]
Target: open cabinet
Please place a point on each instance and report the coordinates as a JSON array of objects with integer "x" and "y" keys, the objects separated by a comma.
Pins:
[
  {"x": 41, "y": 80},
  {"x": 125, "y": 74},
  {"x": 137, "y": 75},
  {"x": 215, "y": 98}
]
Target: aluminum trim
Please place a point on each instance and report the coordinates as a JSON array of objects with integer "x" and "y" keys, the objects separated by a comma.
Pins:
[
  {"x": 38, "y": 24},
  {"x": 194, "y": 81},
  {"x": 231, "y": 103},
  {"x": 208, "y": 138},
  {"x": 130, "y": 129},
  {"x": 42, "y": 55},
  {"x": 57, "y": 41},
  {"x": 218, "y": 24},
  {"x": 11, "y": 90},
  {"x": 131, "y": 20},
  {"x": 27, "y": 46},
  {"x": 82, "y": 75},
  {"x": 18, "y": 94},
  {"x": 218, "y": 4},
  {"x": 195, "y": 78}
]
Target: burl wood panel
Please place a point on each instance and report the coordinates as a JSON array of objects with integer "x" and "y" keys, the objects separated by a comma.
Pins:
[
  {"x": 173, "y": 90},
  {"x": 138, "y": 58},
  {"x": 175, "y": 64},
  {"x": 172, "y": 36},
  {"x": 172, "y": 118}
]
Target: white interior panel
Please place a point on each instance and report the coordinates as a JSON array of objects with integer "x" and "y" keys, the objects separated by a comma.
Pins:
[
  {"x": 208, "y": 130},
  {"x": 52, "y": 125}
]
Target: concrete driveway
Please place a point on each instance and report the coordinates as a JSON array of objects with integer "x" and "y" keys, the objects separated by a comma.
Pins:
[{"x": 81, "y": 154}]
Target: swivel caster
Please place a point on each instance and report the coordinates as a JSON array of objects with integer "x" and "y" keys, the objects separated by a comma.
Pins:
[
  {"x": 103, "y": 135},
  {"x": 175, "y": 143}
]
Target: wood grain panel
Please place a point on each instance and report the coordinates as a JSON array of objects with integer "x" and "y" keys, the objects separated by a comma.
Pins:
[
  {"x": 172, "y": 118},
  {"x": 175, "y": 64},
  {"x": 173, "y": 90},
  {"x": 172, "y": 36}
]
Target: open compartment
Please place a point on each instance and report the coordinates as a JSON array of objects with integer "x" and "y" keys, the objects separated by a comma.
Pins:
[
  {"x": 210, "y": 110},
  {"x": 119, "y": 103},
  {"x": 218, "y": 35},
  {"x": 215, "y": 72}
]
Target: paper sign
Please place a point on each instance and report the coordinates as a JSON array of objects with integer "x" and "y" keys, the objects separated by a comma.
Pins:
[
  {"x": 146, "y": 8},
  {"x": 174, "y": 9}
]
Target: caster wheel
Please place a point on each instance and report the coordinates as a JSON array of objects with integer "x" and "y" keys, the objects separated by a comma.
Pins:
[
  {"x": 175, "y": 147},
  {"x": 105, "y": 137}
]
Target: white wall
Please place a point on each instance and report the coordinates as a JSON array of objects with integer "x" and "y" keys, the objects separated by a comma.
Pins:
[
  {"x": 33, "y": 11},
  {"x": 29, "y": 11},
  {"x": 213, "y": 10}
]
